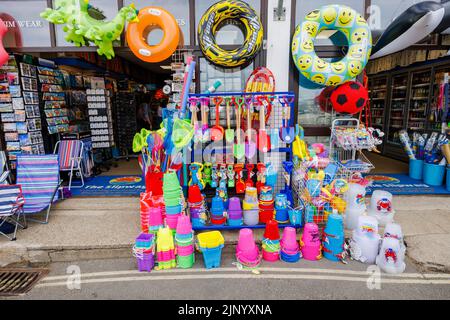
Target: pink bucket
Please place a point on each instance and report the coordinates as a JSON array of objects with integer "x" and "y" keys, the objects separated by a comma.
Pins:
[
  {"x": 270, "y": 256},
  {"x": 185, "y": 250},
  {"x": 172, "y": 220},
  {"x": 166, "y": 255},
  {"x": 311, "y": 253},
  {"x": 289, "y": 242},
  {"x": 311, "y": 235},
  {"x": 184, "y": 225}
]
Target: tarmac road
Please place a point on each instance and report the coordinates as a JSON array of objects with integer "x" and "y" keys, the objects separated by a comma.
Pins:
[{"x": 118, "y": 279}]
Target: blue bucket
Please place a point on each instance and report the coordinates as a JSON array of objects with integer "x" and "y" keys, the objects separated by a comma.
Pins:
[
  {"x": 197, "y": 223},
  {"x": 433, "y": 174},
  {"x": 415, "y": 169},
  {"x": 235, "y": 222},
  {"x": 448, "y": 179},
  {"x": 174, "y": 209},
  {"x": 212, "y": 256}
]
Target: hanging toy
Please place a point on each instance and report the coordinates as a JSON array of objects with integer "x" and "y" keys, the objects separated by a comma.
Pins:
[
  {"x": 196, "y": 175},
  {"x": 214, "y": 177},
  {"x": 240, "y": 185},
  {"x": 221, "y": 191},
  {"x": 250, "y": 173},
  {"x": 207, "y": 173},
  {"x": 230, "y": 176},
  {"x": 81, "y": 27},
  {"x": 260, "y": 176}
]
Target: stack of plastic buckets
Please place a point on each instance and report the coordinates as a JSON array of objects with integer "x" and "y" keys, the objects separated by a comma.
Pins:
[
  {"x": 146, "y": 205},
  {"x": 218, "y": 211},
  {"x": 251, "y": 207},
  {"x": 356, "y": 205},
  {"x": 144, "y": 252},
  {"x": 333, "y": 238},
  {"x": 172, "y": 199},
  {"x": 165, "y": 249},
  {"x": 210, "y": 245},
  {"x": 281, "y": 208},
  {"x": 290, "y": 249},
  {"x": 271, "y": 242},
  {"x": 234, "y": 212},
  {"x": 266, "y": 204},
  {"x": 381, "y": 207},
  {"x": 184, "y": 240},
  {"x": 310, "y": 245},
  {"x": 197, "y": 207},
  {"x": 247, "y": 253},
  {"x": 365, "y": 240}
]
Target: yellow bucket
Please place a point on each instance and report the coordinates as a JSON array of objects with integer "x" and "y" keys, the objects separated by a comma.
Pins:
[
  {"x": 210, "y": 239},
  {"x": 164, "y": 240}
]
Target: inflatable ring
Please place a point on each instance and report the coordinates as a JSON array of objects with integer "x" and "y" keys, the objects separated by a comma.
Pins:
[
  {"x": 151, "y": 18},
  {"x": 332, "y": 17},
  {"x": 211, "y": 21}
]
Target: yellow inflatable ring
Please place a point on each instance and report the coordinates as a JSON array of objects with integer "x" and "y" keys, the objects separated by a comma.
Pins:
[
  {"x": 213, "y": 18},
  {"x": 332, "y": 17},
  {"x": 150, "y": 18}
]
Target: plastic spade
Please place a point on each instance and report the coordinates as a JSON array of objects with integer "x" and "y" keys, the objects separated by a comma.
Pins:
[
  {"x": 250, "y": 146},
  {"x": 239, "y": 147},
  {"x": 263, "y": 137},
  {"x": 217, "y": 130},
  {"x": 288, "y": 166},
  {"x": 229, "y": 133},
  {"x": 194, "y": 110},
  {"x": 206, "y": 134},
  {"x": 287, "y": 134}
]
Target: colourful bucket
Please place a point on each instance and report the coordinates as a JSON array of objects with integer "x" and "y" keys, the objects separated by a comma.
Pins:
[
  {"x": 212, "y": 256},
  {"x": 186, "y": 262},
  {"x": 146, "y": 262},
  {"x": 433, "y": 174},
  {"x": 415, "y": 169},
  {"x": 270, "y": 256},
  {"x": 185, "y": 250}
]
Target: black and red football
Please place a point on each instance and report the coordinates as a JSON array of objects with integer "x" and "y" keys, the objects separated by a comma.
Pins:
[{"x": 350, "y": 97}]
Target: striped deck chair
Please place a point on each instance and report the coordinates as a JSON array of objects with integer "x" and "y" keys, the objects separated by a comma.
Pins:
[
  {"x": 38, "y": 175},
  {"x": 70, "y": 156},
  {"x": 11, "y": 207},
  {"x": 4, "y": 170}
]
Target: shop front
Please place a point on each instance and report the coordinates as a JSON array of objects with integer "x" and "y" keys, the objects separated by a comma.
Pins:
[{"x": 231, "y": 115}]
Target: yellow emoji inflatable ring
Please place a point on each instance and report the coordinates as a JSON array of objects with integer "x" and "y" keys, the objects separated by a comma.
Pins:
[
  {"x": 332, "y": 17},
  {"x": 214, "y": 18}
]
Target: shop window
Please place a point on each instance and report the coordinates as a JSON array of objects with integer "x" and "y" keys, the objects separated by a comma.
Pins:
[
  {"x": 230, "y": 33},
  {"x": 26, "y": 27},
  {"x": 107, "y": 7},
  {"x": 383, "y": 12},
  {"x": 233, "y": 80},
  {"x": 178, "y": 8}
]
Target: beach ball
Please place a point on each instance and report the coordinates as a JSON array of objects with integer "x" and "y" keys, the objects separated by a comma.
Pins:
[{"x": 350, "y": 98}]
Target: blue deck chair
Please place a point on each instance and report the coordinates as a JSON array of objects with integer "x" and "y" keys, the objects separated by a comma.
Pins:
[
  {"x": 70, "y": 156},
  {"x": 11, "y": 207},
  {"x": 4, "y": 170},
  {"x": 38, "y": 175}
]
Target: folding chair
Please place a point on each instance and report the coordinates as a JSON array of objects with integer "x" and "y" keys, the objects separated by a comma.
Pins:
[
  {"x": 70, "y": 156},
  {"x": 4, "y": 170},
  {"x": 11, "y": 207},
  {"x": 38, "y": 175}
]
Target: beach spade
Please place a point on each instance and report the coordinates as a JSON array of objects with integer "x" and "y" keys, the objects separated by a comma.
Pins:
[
  {"x": 217, "y": 130},
  {"x": 229, "y": 133},
  {"x": 287, "y": 134},
  {"x": 250, "y": 146},
  {"x": 263, "y": 137},
  {"x": 138, "y": 143},
  {"x": 239, "y": 147}
]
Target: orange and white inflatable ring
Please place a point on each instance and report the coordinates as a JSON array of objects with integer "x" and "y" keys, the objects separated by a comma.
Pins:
[{"x": 151, "y": 18}]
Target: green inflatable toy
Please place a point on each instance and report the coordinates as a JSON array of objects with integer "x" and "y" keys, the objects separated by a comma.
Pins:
[
  {"x": 332, "y": 17},
  {"x": 81, "y": 27}
]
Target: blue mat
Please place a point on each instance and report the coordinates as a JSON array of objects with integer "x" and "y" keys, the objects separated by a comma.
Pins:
[
  {"x": 110, "y": 186},
  {"x": 402, "y": 184}
]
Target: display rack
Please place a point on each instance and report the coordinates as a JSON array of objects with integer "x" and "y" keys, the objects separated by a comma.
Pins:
[
  {"x": 126, "y": 126},
  {"x": 100, "y": 118},
  {"x": 280, "y": 153}
]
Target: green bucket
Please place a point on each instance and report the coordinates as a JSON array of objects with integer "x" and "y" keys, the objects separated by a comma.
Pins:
[
  {"x": 186, "y": 262},
  {"x": 170, "y": 181}
]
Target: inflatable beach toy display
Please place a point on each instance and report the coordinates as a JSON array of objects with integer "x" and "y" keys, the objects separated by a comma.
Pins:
[
  {"x": 332, "y": 17},
  {"x": 151, "y": 18},
  {"x": 213, "y": 18},
  {"x": 81, "y": 27}
]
